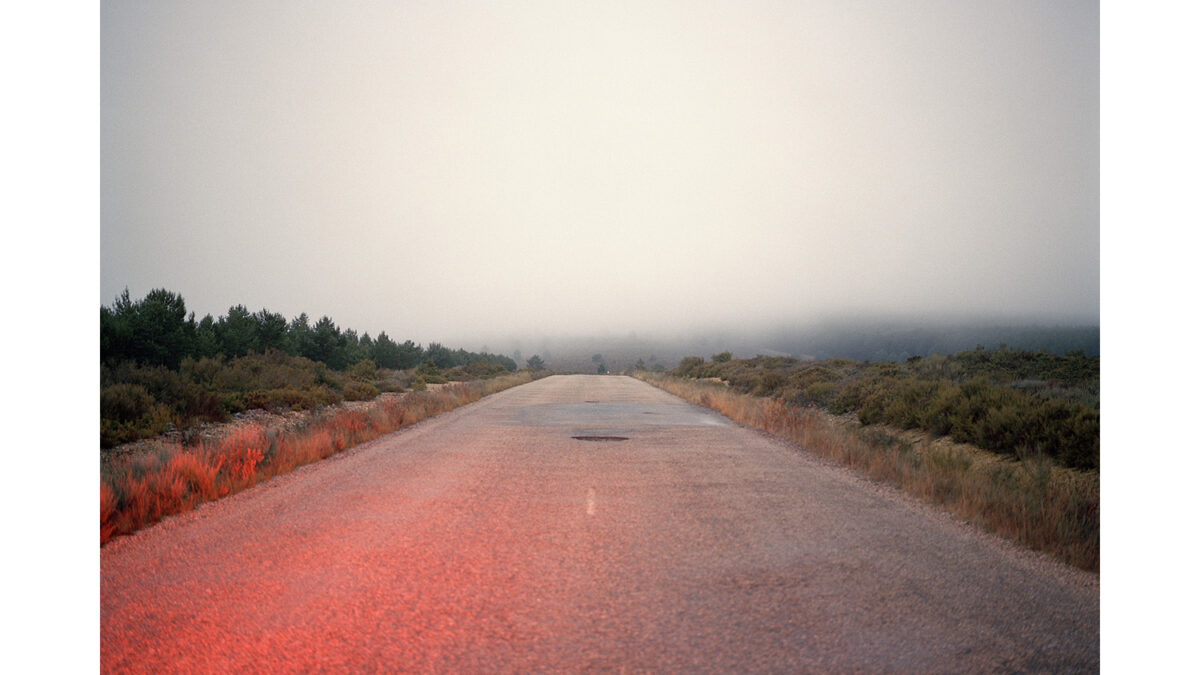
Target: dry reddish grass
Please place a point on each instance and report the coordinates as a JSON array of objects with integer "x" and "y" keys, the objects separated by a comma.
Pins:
[
  {"x": 141, "y": 489},
  {"x": 1031, "y": 501}
]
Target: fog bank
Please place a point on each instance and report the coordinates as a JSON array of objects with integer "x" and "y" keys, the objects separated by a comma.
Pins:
[{"x": 463, "y": 172}]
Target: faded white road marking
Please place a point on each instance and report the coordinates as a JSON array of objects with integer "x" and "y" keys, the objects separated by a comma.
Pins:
[{"x": 591, "y": 502}]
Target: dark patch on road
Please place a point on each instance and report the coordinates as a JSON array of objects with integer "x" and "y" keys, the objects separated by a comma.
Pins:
[{"x": 616, "y": 414}]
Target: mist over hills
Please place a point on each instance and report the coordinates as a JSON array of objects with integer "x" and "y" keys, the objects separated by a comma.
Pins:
[{"x": 861, "y": 340}]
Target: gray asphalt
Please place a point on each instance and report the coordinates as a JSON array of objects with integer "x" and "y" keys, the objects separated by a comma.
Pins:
[{"x": 489, "y": 539}]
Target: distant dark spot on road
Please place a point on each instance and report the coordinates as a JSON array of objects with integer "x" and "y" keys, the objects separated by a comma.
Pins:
[{"x": 601, "y": 438}]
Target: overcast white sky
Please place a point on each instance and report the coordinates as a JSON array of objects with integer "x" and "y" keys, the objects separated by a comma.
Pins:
[{"x": 458, "y": 171}]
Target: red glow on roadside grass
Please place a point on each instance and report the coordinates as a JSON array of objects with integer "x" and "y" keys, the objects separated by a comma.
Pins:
[{"x": 137, "y": 491}]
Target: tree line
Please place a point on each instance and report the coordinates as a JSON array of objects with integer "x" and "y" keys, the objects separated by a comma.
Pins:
[{"x": 158, "y": 330}]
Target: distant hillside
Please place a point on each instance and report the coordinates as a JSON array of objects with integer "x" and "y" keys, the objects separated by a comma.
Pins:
[
  {"x": 882, "y": 342},
  {"x": 861, "y": 341}
]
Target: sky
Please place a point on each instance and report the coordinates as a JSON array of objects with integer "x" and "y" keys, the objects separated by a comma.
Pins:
[{"x": 459, "y": 172}]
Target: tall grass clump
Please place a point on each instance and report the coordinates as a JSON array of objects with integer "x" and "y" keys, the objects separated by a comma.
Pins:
[
  {"x": 1028, "y": 498},
  {"x": 140, "y": 489}
]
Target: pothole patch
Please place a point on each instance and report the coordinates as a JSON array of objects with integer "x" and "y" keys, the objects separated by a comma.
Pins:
[{"x": 601, "y": 439}]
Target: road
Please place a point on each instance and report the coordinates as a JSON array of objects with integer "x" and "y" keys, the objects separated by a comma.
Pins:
[{"x": 489, "y": 539}]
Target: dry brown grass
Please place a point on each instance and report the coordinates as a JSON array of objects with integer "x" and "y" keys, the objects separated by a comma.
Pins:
[
  {"x": 1030, "y": 500},
  {"x": 140, "y": 489}
]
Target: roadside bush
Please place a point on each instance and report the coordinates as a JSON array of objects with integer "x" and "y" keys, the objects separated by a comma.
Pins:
[
  {"x": 769, "y": 384},
  {"x": 937, "y": 367},
  {"x": 688, "y": 365},
  {"x": 359, "y": 391},
  {"x": 288, "y": 398},
  {"x": 125, "y": 402},
  {"x": 944, "y": 410},
  {"x": 1071, "y": 434},
  {"x": 161, "y": 383},
  {"x": 201, "y": 371},
  {"x": 854, "y": 397},
  {"x": 819, "y": 393},
  {"x": 236, "y": 363},
  {"x": 884, "y": 368},
  {"x": 128, "y": 412},
  {"x": 1004, "y": 429},
  {"x": 814, "y": 375},
  {"x": 232, "y": 403},
  {"x": 990, "y": 414},
  {"x": 272, "y": 370},
  {"x": 391, "y": 381},
  {"x": 481, "y": 370},
  {"x": 201, "y": 405},
  {"x": 847, "y": 399},
  {"x": 876, "y": 396},
  {"x": 363, "y": 370},
  {"x": 906, "y": 403}
]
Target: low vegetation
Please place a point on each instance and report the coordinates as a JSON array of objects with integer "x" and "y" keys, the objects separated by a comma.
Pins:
[
  {"x": 1007, "y": 440},
  {"x": 166, "y": 377},
  {"x": 139, "y": 489},
  {"x": 1010, "y": 402},
  {"x": 162, "y": 371}
]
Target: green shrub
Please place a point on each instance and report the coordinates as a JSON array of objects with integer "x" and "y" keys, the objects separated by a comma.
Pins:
[
  {"x": 1070, "y": 433},
  {"x": 201, "y": 371},
  {"x": 477, "y": 370},
  {"x": 884, "y": 368},
  {"x": 272, "y": 370},
  {"x": 867, "y": 396},
  {"x": 943, "y": 411},
  {"x": 162, "y": 384},
  {"x": 391, "y": 382},
  {"x": 363, "y": 370},
  {"x": 359, "y": 391},
  {"x": 125, "y": 402},
  {"x": 907, "y": 401},
  {"x": 814, "y": 375},
  {"x": 232, "y": 403},
  {"x": 202, "y": 405},
  {"x": 820, "y": 393},
  {"x": 688, "y": 364},
  {"x": 971, "y": 397},
  {"x": 128, "y": 413},
  {"x": 283, "y": 398},
  {"x": 850, "y": 398},
  {"x": 1003, "y": 428},
  {"x": 769, "y": 384}
]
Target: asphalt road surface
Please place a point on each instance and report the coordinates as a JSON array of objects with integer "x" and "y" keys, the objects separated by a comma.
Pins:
[{"x": 489, "y": 539}]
